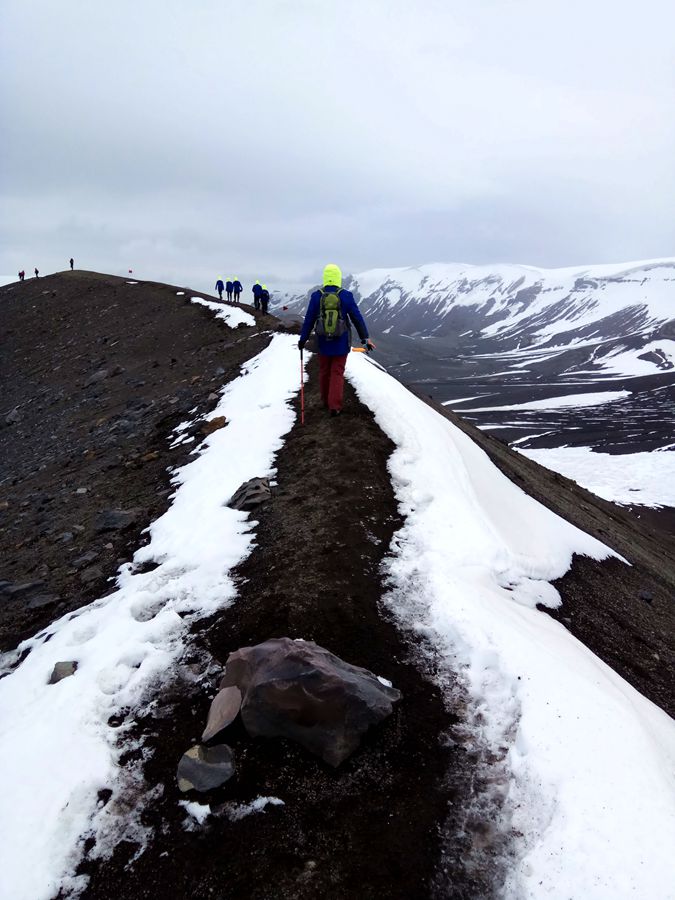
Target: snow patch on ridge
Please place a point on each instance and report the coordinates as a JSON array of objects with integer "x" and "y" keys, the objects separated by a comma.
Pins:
[
  {"x": 231, "y": 315},
  {"x": 56, "y": 746},
  {"x": 591, "y": 761}
]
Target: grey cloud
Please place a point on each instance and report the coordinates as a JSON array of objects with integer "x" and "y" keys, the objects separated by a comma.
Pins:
[{"x": 182, "y": 139}]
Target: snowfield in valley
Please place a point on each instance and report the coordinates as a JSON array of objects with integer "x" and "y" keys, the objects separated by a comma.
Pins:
[{"x": 631, "y": 479}]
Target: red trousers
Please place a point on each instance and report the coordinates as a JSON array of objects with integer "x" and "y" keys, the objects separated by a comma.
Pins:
[{"x": 332, "y": 379}]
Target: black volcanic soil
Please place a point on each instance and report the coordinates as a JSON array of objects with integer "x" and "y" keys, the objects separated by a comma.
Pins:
[
  {"x": 107, "y": 439},
  {"x": 379, "y": 825}
]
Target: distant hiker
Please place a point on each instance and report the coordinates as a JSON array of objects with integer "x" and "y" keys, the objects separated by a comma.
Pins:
[
  {"x": 22, "y": 275},
  {"x": 220, "y": 287},
  {"x": 37, "y": 273},
  {"x": 257, "y": 291},
  {"x": 72, "y": 263},
  {"x": 236, "y": 287},
  {"x": 331, "y": 308},
  {"x": 264, "y": 299},
  {"x": 228, "y": 288}
]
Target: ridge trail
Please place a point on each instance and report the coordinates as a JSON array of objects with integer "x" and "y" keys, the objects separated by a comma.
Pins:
[{"x": 376, "y": 826}]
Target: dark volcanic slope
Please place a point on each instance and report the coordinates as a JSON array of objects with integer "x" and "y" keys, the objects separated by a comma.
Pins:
[{"x": 95, "y": 372}]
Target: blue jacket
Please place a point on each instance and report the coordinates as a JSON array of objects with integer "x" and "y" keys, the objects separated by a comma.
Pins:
[
  {"x": 229, "y": 285},
  {"x": 220, "y": 286},
  {"x": 350, "y": 311},
  {"x": 236, "y": 285},
  {"x": 257, "y": 290}
]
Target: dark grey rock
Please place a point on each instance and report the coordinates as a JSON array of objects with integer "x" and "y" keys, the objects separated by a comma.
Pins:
[
  {"x": 251, "y": 494},
  {"x": 202, "y": 768},
  {"x": 220, "y": 371},
  {"x": 93, "y": 573},
  {"x": 647, "y": 596},
  {"x": 97, "y": 377},
  {"x": 115, "y": 520},
  {"x": 298, "y": 690},
  {"x": 63, "y": 670},
  {"x": 19, "y": 590},
  {"x": 13, "y": 417},
  {"x": 40, "y": 601},
  {"x": 66, "y": 537},
  {"x": 85, "y": 559}
]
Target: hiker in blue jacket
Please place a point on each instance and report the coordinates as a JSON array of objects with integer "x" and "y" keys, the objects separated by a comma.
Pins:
[
  {"x": 220, "y": 287},
  {"x": 228, "y": 288},
  {"x": 332, "y": 309},
  {"x": 236, "y": 287},
  {"x": 257, "y": 291}
]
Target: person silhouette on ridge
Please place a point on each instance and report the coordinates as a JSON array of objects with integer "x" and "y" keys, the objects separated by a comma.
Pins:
[
  {"x": 331, "y": 309},
  {"x": 220, "y": 287},
  {"x": 228, "y": 288},
  {"x": 257, "y": 291},
  {"x": 236, "y": 287},
  {"x": 264, "y": 299},
  {"x": 72, "y": 263}
]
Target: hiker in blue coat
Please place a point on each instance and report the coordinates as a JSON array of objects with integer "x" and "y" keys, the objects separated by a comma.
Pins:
[
  {"x": 236, "y": 287},
  {"x": 257, "y": 291},
  {"x": 220, "y": 287},
  {"x": 228, "y": 288},
  {"x": 332, "y": 309}
]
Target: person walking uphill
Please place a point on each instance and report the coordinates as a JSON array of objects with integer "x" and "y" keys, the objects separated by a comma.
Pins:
[
  {"x": 220, "y": 287},
  {"x": 228, "y": 288},
  {"x": 331, "y": 309}
]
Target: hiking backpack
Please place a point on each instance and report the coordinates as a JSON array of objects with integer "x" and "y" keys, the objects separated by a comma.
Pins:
[{"x": 331, "y": 322}]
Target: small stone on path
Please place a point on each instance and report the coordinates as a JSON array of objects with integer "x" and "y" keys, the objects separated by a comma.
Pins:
[{"x": 202, "y": 768}]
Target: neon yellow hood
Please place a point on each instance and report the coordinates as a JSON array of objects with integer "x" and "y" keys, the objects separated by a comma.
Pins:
[{"x": 332, "y": 276}]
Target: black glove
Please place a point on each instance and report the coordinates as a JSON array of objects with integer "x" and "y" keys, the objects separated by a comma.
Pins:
[
  {"x": 369, "y": 345},
  {"x": 301, "y": 345}
]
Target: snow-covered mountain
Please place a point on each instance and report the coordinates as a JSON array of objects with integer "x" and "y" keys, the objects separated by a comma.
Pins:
[
  {"x": 545, "y": 358},
  {"x": 600, "y": 320}
]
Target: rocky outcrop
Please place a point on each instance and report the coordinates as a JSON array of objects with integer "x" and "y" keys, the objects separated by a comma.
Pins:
[{"x": 298, "y": 690}]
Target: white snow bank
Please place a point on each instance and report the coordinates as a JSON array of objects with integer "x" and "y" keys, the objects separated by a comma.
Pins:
[
  {"x": 591, "y": 760},
  {"x": 231, "y": 315},
  {"x": 56, "y": 748},
  {"x": 627, "y": 362},
  {"x": 647, "y": 479},
  {"x": 597, "y": 398}
]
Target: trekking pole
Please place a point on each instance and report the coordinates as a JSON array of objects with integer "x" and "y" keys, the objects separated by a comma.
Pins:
[{"x": 302, "y": 390}]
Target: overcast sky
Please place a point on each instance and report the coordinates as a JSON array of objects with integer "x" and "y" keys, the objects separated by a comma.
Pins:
[{"x": 187, "y": 139}]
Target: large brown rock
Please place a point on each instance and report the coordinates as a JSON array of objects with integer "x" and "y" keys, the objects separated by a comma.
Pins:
[{"x": 298, "y": 690}]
